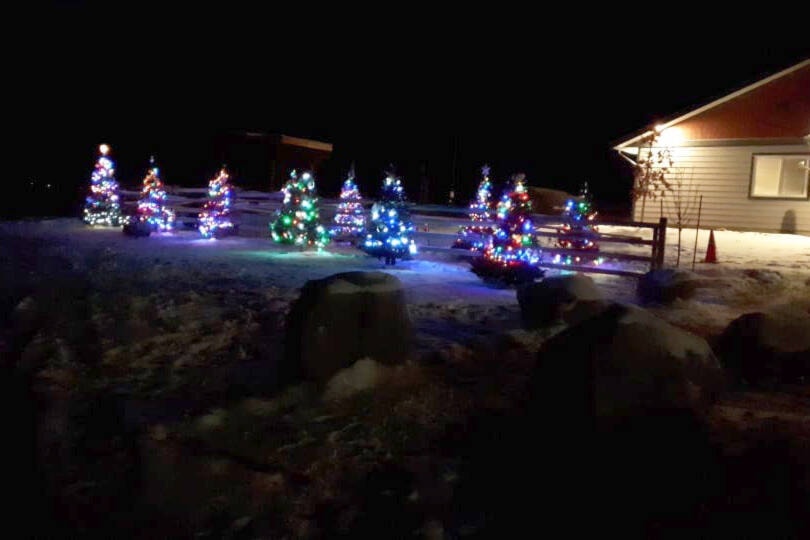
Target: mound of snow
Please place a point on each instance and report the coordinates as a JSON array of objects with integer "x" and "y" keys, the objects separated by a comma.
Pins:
[
  {"x": 667, "y": 285},
  {"x": 362, "y": 375},
  {"x": 769, "y": 346},
  {"x": 570, "y": 298},
  {"x": 342, "y": 318},
  {"x": 623, "y": 362}
]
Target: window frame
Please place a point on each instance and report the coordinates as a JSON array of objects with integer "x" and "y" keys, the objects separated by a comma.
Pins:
[{"x": 779, "y": 197}]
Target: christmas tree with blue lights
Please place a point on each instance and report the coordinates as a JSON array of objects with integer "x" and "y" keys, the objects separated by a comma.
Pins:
[
  {"x": 390, "y": 234},
  {"x": 298, "y": 220},
  {"x": 578, "y": 232},
  {"x": 152, "y": 207},
  {"x": 102, "y": 205},
  {"x": 476, "y": 236},
  {"x": 512, "y": 255},
  {"x": 215, "y": 218},
  {"x": 350, "y": 220}
]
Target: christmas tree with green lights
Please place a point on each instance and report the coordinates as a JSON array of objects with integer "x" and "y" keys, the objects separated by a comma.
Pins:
[{"x": 298, "y": 221}]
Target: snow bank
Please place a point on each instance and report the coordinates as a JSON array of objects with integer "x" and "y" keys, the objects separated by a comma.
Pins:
[{"x": 362, "y": 375}]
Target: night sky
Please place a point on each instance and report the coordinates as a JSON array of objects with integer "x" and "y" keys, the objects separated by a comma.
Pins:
[{"x": 409, "y": 89}]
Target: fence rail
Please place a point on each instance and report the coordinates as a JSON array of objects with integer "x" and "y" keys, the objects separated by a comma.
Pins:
[
  {"x": 548, "y": 226},
  {"x": 186, "y": 203},
  {"x": 551, "y": 225}
]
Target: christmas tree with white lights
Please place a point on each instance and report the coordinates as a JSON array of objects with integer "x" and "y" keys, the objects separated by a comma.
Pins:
[{"x": 102, "y": 206}]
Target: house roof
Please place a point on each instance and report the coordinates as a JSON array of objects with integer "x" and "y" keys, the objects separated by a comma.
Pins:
[{"x": 776, "y": 107}]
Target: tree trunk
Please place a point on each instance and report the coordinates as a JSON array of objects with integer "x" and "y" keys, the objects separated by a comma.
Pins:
[
  {"x": 643, "y": 203},
  {"x": 678, "y": 259}
]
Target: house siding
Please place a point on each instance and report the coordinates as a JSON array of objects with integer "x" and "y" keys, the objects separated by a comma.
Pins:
[{"x": 722, "y": 174}]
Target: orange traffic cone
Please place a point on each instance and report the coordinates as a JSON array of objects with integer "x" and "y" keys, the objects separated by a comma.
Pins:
[{"x": 711, "y": 251}]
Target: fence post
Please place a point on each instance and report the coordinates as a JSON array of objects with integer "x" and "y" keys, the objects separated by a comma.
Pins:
[{"x": 662, "y": 242}]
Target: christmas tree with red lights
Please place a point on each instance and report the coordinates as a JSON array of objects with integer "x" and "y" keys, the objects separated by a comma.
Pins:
[
  {"x": 215, "y": 218},
  {"x": 152, "y": 207},
  {"x": 511, "y": 257}
]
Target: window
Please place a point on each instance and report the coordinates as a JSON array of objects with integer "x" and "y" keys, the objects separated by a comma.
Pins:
[{"x": 780, "y": 177}]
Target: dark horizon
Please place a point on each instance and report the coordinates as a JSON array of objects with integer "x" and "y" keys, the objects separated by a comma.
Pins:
[{"x": 522, "y": 106}]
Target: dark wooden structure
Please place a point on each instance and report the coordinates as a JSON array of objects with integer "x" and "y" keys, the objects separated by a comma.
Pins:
[{"x": 262, "y": 161}]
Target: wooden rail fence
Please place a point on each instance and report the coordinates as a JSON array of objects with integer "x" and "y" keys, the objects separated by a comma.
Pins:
[
  {"x": 186, "y": 203},
  {"x": 547, "y": 226}
]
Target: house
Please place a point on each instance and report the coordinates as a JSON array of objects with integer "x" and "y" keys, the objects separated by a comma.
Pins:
[
  {"x": 747, "y": 154},
  {"x": 262, "y": 161}
]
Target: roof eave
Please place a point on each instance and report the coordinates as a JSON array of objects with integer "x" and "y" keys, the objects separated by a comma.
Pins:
[{"x": 715, "y": 103}]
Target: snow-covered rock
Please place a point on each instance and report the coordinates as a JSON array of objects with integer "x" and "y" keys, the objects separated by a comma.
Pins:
[
  {"x": 25, "y": 316},
  {"x": 623, "y": 363},
  {"x": 763, "y": 275},
  {"x": 137, "y": 228},
  {"x": 666, "y": 285},
  {"x": 570, "y": 298},
  {"x": 769, "y": 346},
  {"x": 342, "y": 318},
  {"x": 362, "y": 375}
]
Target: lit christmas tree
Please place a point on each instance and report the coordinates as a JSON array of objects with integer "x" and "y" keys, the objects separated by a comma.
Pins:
[
  {"x": 476, "y": 236},
  {"x": 152, "y": 204},
  {"x": 297, "y": 221},
  {"x": 102, "y": 206},
  {"x": 506, "y": 203},
  {"x": 480, "y": 208},
  {"x": 349, "y": 219},
  {"x": 574, "y": 234},
  {"x": 511, "y": 257},
  {"x": 389, "y": 236},
  {"x": 215, "y": 217}
]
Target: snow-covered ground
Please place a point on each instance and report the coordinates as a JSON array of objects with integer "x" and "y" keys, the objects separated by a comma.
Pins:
[
  {"x": 754, "y": 271},
  {"x": 187, "y": 329},
  {"x": 197, "y": 302},
  {"x": 446, "y": 299},
  {"x": 176, "y": 302}
]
